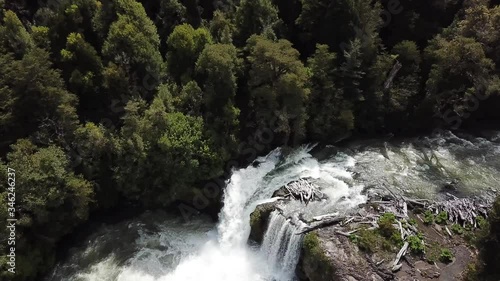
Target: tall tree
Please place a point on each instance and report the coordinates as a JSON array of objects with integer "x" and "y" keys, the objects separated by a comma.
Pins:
[
  {"x": 50, "y": 201},
  {"x": 222, "y": 28},
  {"x": 338, "y": 22},
  {"x": 255, "y": 17},
  {"x": 217, "y": 67},
  {"x": 403, "y": 94},
  {"x": 171, "y": 14},
  {"x": 278, "y": 90},
  {"x": 330, "y": 117},
  {"x": 481, "y": 22},
  {"x": 351, "y": 71},
  {"x": 459, "y": 71},
  {"x": 39, "y": 99},
  {"x": 14, "y": 37},
  {"x": 185, "y": 45},
  {"x": 162, "y": 154},
  {"x": 133, "y": 43},
  {"x": 83, "y": 69}
]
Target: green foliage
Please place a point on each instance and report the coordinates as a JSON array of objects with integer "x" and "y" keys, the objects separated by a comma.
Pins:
[
  {"x": 40, "y": 36},
  {"x": 51, "y": 200},
  {"x": 185, "y": 44},
  {"x": 366, "y": 240},
  {"x": 161, "y": 154},
  {"x": 171, "y": 14},
  {"x": 385, "y": 223},
  {"x": 372, "y": 241},
  {"x": 429, "y": 217},
  {"x": 480, "y": 22},
  {"x": 442, "y": 218},
  {"x": 385, "y": 238},
  {"x": 460, "y": 69},
  {"x": 318, "y": 17},
  {"x": 190, "y": 99},
  {"x": 83, "y": 65},
  {"x": 351, "y": 71},
  {"x": 304, "y": 71},
  {"x": 405, "y": 86},
  {"x": 489, "y": 245},
  {"x": 315, "y": 254},
  {"x": 457, "y": 229},
  {"x": 329, "y": 114},
  {"x": 277, "y": 82},
  {"x": 482, "y": 223},
  {"x": 217, "y": 67},
  {"x": 416, "y": 244},
  {"x": 37, "y": 99},
  {"x": 13, "y": 35},
  {"x": 255, "y": 17},
  {"x": 222, "y": 28},
  {"x": 69, "y": 16},
  {"x": 446, "y": 256},
  {"x": 133, "y": 43}
]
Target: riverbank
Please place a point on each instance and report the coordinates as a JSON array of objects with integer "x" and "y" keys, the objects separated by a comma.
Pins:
[{"x": 374, "y": 243}]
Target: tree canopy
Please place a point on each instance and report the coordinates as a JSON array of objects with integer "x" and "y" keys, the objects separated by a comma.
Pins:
[{"x": 105, "y": 103}]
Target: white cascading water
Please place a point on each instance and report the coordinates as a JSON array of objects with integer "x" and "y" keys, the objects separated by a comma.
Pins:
[
  {"x": 158, "y": 247},
  {"x": 281, "y": 247}
]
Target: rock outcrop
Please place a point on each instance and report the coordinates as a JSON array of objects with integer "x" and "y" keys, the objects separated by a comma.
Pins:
[
  {"x": 384, "y": 240},
  {"x": 327, "y": 256},
  {"x": 259, "y": 220}
]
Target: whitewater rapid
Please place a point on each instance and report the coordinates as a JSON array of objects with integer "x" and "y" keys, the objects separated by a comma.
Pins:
[{"x": 159, "y": 247}]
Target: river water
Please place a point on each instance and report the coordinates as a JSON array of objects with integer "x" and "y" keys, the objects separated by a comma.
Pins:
[{"x": 158, "y": 247}]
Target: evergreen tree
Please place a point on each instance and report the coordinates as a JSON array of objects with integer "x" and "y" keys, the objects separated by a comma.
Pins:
[
  {"x": 278, "y": 90},
  {"x": 185, "y": 45},
  {"x": 217, "y": 67},
  {"x": 338, "y": 22},
  {"x": 37, "y": 98},
  {"x": 330, "y": 117},
  {"x": 460, "y": 69},
  {"x": 50, "y": 201},
  {"x": 83, "y": 68},
  {"x": 13, "y": 36},
  {"x": 255, "y": 17},
  {"x": 133, "y": 44}
]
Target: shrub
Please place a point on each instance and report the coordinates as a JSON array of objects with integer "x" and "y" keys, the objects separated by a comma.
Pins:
[
  {"x": 396, "y": 239},
  {"x": 428, "y": 217},
  {"x": 482, "y": 222},
  {"x": 312, "y": 248},
  {"x": 385, "y": 225},
  {"x": 457, "y": 229},
  {"x": 416, "y": 244},
  {"x": 446, "y": 255},
  {"x": 366, "y": 240},
  {"x": 442, "y": 218}
]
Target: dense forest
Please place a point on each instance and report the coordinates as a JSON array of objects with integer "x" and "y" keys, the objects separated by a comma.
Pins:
[{"x": 112, "y": 101}]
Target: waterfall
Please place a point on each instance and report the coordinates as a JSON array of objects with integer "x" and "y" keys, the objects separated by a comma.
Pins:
[
  {"x": 159, "y": 247},
  {"x": 281, "y": 247},
  {"x": 241, "y": 191}
]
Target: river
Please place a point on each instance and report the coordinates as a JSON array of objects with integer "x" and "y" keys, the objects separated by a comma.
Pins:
[{"x": 159, "y": 247}]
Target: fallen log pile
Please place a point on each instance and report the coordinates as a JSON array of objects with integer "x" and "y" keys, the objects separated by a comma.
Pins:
[
  {"x": 303, "y": 190},
  {"x": 461, "y": 210}
]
